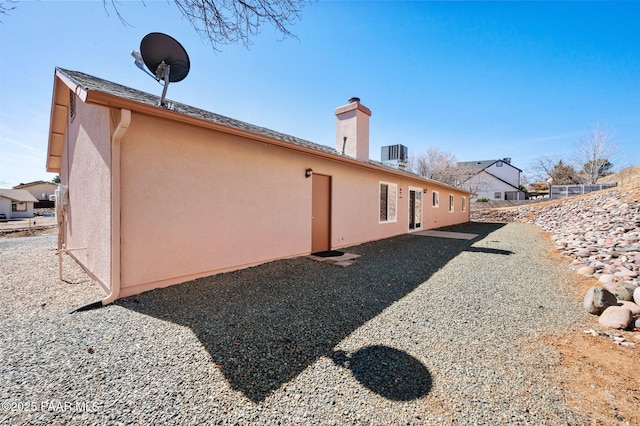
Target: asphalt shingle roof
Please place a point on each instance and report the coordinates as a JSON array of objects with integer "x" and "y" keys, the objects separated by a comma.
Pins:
[
  {"x": 92, "y": 83},
  {"x": 477, "y": 165},
  {"x": 19, "y": 195}
]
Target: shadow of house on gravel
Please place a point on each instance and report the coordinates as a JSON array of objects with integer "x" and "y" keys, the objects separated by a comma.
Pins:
[{"x": 264, "y": 325}]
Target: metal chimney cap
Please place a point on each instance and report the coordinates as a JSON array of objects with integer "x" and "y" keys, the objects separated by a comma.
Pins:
[{"x": 353, "y": 99}]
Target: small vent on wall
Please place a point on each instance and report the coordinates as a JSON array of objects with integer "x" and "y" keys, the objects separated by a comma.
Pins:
[{"x": 72, "y": 105}]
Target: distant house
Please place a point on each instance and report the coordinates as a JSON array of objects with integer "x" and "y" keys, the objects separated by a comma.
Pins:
[
  {"x": 537, "y": 190},
  {"x": 41, "y": 190},
  {"x": 16, "y": 203},
  {"x": 492, "y": 179},
  {"x": 154, "y": 196}
]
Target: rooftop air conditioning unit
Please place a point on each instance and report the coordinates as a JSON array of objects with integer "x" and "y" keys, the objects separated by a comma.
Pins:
[
  {"x": 395, "y": 156},
  {"x": 395, "y": 153}
]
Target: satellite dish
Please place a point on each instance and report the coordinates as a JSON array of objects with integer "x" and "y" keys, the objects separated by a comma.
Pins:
[
  {"x": 157, "y": 48},
  {"x": 165, "y": 58}
]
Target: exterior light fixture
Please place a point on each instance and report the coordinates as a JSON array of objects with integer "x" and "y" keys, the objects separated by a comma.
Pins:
[{"x": 308, "y": 173}]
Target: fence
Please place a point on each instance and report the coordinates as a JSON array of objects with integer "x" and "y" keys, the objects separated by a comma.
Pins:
[{"x": 565, "y": 191}]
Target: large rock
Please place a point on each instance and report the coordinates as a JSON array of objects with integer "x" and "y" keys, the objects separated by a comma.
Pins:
[
  {"x": 636, "y": 295},
  {"x": 625, "y": 272},
  {"x": 616, "y": 317},
  {"x": 620, "y": 292},
  {"x": 634, "y": 308},
  {"x": 631, "y": 286},
  {"x": 586, "y": 270},
  {"x": 598, "y": 299},
  {"x": 606, "y": 278}
]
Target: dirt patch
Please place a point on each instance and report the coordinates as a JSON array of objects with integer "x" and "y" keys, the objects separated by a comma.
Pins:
[
  {"x": 627, "y": 177},
  {"x": 601, "y": 379},
  {"x": 28, "y": 232},
  {"x": 632, "y": 196},
  {"x": 29, "y": 227}
]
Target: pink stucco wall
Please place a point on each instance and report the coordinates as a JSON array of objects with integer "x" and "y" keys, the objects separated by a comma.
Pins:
[
  {"x": 86, "y": 172},
  {"x": 352, "y": 122},
  {"x": 195, "y": 201}
]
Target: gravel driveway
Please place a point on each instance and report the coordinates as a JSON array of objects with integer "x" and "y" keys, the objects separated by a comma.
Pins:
[{"x": 420, "y": 330}]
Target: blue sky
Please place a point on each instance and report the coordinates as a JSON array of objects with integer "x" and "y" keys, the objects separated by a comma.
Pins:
[{"x": 483, "y": 80}]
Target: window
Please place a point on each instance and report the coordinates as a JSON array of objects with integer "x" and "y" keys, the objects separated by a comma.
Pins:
[
  {"x": 499, "y": 164},
  {"x": 497, "y": 195},
  {"x": 435, "y": 199},
  {"x": 450, "y": 202},
  {"x": 464, "y": 204},
  {"x": 388, "y": 202},
  {"x": 19, "y": 207}
]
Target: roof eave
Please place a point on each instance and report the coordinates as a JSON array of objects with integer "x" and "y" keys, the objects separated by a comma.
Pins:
[
  {"x": 112, "y": 101},
  {"x": 59, "y": 115},
  {"x": 57, "y": 122}
]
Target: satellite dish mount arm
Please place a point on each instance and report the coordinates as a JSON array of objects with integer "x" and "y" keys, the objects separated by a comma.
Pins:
[
  {"x": 166, "y": 60},
  {"x": 162, "y": 73}
]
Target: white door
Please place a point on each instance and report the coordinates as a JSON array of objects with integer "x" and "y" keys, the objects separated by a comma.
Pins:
[{"x": 415, "y": 208}]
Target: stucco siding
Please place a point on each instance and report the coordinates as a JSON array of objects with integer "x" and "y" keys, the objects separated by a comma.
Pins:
[
  {"x": 494, "y": 186},
  {"x": 5, "y": 207},
  {"x": 39, "y": 189},
  {"x": 355, "y": 204},
  {"x": 437, "y": 217},
  {"x": 505, "y": 172},
  {"x": 20, "y": 214},
  {"x": 195, "y": 202},
  {"x": 86, "y": 172},
  {"x": 197, "y": 193}
]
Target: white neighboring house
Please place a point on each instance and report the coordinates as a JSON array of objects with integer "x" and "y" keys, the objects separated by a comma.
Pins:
[
  {"x": 493, "y": 179},
  {"x": 16, "y": 203}
]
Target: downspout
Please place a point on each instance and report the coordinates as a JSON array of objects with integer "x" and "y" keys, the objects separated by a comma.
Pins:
[{"x": 121, "y": 129}]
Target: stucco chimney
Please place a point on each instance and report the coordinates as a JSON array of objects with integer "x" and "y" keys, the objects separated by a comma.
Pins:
[{"x": 352, "y": 123}]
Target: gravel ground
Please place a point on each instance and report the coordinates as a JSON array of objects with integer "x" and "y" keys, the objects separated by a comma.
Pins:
[{"x": 420, "y": 330}]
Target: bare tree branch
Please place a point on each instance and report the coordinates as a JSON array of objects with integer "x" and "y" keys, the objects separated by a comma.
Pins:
[
  {"x": 438, "y": 165},
  {"x": 6, "y": 6},
  {"x": 223, "y": 22},
  {"x": 114, "y": 4},
  {"x": 542, "y": 167},
  {"x": 594, "y": 152},
  {"x": 232, "y": 21}
]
